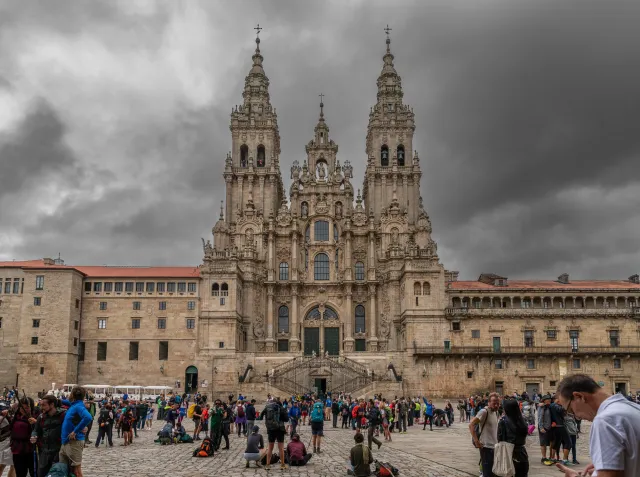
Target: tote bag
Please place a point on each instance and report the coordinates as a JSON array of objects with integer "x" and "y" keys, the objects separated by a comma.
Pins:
[{"x": 503, "y": 460}]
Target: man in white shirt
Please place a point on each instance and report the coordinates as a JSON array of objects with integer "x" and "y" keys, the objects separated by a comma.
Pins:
[
  {"x": 487, "y": 421},
  {"x": 614, "y": 442}
]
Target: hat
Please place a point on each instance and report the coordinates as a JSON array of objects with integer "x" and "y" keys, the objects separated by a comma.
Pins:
[
  {"x": 546, "y": 396},
  {"x": 255, "y": 428}
]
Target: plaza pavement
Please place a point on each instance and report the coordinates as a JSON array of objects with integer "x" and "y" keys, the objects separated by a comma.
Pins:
[{"x": 441, "y": 453}]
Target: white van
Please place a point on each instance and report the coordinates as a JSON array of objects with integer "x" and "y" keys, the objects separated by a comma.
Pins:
[
  {"x": 98, "y": 391},
  {"x": 134, "y": 392},
  {"x": 152, "y": 392}
]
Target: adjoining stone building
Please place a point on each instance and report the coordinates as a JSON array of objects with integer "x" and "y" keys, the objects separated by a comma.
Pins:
[{"x": 334, "y": 288}]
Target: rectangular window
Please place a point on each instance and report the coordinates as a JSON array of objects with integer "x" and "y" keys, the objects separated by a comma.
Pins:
[
  {"x": 220, "y": 344},
  {"x": 552, "y": 334},
  {"x": 191, "y": 323},
  {"x": 133, "y": 351},
  {"x": 526, "y": 303},
  {"x": 77, "y": 303},
  {"x": 7, "y": 287},
  {"x": 447, "y": 346},
  {"x": 34, "y": 340},
  {"x": 475, "y": 333},
  {"x": 150, "y": 287},
  {"x": 35, "y": 323},
  {"x": 498, "y": 364},
  {"x": 283, "y": 345},
  {"x": 75, "y": 342},
  {"x": 81, "y": 351},
  {"x": 40, "y": 282},
  {"x": 191, "y": 305},
  {"x": 361, "y": 345},
  {"x": 0, "y": 322},
  {"x": 41, "y": 370},
  {"x": 531, "y": 364},
  {"x": 614, "y": 338},
  {"x": 76, "y": 324},
  {"x": 108, "y": 287},
  {"x": 171, "y": 287},
  {"x": 455, "y": 326},
  {"x": 102, "y": 351},
  {"x": 102, "y": 323},
  {"x": 191, "y": 287},
  {"x": 119, "y": 287},
  {"x": 37, "y": 301},
  {"x": 103, "y": 305},
  {"x": 135, "y": 323},
  {"x": 469, "y": 374},
  {"x": 128, "y": 287},
  {"x": 576, "y": 363},
  {"x": 528, "y": 339},
  {"x": 573, "y": 339},
  {"x": 617, "y": 364},
  {"x": 87, "y": 286},
  {"x": 160, "y": 287},
  {"x": 162, "y": 323},
  {"x": 284, "y": 271},
  {"x": 136, "y": 305},
  {"x": 163, "y": 350},
  {"x": 222, "y": 301},
  {"x": 182, "y": 287},
  {"x": 162, "y": 305},
  {"x": 321, "y": 231},
  {"x": 97, "y": 286},
  {"x": 552, "y": 383},
  {"x": 139, "y": 287}
]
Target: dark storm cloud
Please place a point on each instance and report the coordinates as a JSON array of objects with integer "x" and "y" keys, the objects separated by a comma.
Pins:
[{"x": 526, "y": 123}]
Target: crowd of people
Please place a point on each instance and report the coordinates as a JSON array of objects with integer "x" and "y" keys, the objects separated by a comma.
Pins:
[{"x": 41, "y": 437}]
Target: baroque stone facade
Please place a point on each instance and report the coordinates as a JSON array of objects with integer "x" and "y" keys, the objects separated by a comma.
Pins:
[{"x": 330, "y": 271}]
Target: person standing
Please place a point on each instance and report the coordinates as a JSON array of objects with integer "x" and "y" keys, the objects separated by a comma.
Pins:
[
  {"x": 428, "y": 413},
  {"x": 614, "y": 440},
  {"x": 335, "y": 411},
  {"x": 513, "y": 429},
  {"x": 572, "y": 429},
  {"x": 374, "y": 422},
  {"x": 21, "y": 446},
  {"x": 105, "y": 425},
  {"x": 294, "y": 417},
  {"x": 216, "y": 424},
  {"x": 73, "y": 434},
  {"x": 487, "y": 421},
  {"x": 6, "y": 457},
  {"x": 250, "y": 411},
  {"x": 544, "y": 427},
  {"x": 91, "y": 407},
  {"x": 275, "y": 416},
  {"x": 317, "y": 426}
]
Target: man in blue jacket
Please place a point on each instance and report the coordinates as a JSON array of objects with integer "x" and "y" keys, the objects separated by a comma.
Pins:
[
  {"x": 428, "y": 413},
  {"x": 77, "y": 418}
]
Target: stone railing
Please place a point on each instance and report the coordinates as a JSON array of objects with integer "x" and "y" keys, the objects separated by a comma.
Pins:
[
  {"x": 549, "y": 351},
  {"x": 455, "y": 312}
]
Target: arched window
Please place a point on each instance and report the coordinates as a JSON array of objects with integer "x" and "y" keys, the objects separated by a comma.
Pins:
[
  {"x": 426, "y": 288},
  {"x": 335, "y": 232},
  {"x": 244, "y": 155},
  {"x": 400, "y": 155},
  {"x": 359, "y": 271},
  {"x": 283, "y": 319},
  {"x": 360, "y": 319},
  {"x": 417, "y": 289},
  {"x": 284, "y": 271},
  {"x": 261, "y": 155},
  {"x": 224, "y": 290},
  {"x": 321, "y": 267},
  {"x": 321, "y": 231},
  {"x": 215, "y": 289},
  {"x": 314, "y": 314},
  {"x": 384, "y": 155}
]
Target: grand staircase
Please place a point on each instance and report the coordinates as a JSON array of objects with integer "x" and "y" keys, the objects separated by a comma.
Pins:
[{"x": 297, "y": 376}]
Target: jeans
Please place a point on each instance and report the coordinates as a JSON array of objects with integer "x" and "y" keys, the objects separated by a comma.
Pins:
[
  {"x": 299, "y": 463},
  {"x": 105, "y": 431},
  {"x": 294, "y": 425},
  {"x": 574, "y": 438},
  {"x": 23, "y": 464},
  {"x": 45, "y": 460},
  {"x": 371, "y": 438},
  {"x": 402, "y": 423},
  {"x": 141, "y": 422},
  {"x": 486, "y": 460},
  {"x": 430, "y": 419},
  {"x": 250, "y": 424},
  {"x": 216, "y": 435}
]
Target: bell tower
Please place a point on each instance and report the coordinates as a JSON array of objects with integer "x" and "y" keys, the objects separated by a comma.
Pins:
[
  {"x": 252, "y": 171},
  {"x": 393, "y": 172}
]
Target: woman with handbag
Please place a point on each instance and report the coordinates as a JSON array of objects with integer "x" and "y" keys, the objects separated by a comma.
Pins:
[{"x": 512, "y": 429}]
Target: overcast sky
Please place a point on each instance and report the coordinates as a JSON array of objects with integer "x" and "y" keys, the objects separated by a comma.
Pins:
[{"x": 114, "y": 122}]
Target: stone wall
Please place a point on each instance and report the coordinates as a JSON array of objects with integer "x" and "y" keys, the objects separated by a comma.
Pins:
[{"x": 10, "y": 320}]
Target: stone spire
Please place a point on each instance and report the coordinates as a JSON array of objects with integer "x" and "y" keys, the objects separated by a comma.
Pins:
[
  {"x": 389, "y": 82},
  {"x": 322, "y": 125},
  {"x": 256, "y": 84}
]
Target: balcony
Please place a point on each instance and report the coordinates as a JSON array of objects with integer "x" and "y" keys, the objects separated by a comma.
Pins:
[
  {"x": 525, "y": 351},
  {"x": 460, "y": 312}
]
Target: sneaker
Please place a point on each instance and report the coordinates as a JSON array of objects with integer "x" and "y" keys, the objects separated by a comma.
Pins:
[
  {"x": 267, "y": 467},
  {"x": 575, "y": 462},
  {"x": 319, "y": 451},
  {"x": 247, "y": 466},
  {"x": 565, "y": 462},
  {"x": 283, "y": 466},
  {"x": 548, "y": 462}
]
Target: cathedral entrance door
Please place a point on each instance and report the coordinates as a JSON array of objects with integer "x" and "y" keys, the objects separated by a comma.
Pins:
[
  {"x": 191, "y": 380},
  {"x": 332, "y": 341},
  {"x": 311, "y": 341},
  {"x": 321, "y": 386}
]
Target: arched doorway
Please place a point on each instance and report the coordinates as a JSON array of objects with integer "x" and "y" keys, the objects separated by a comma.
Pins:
[
  {"x": 191, "y": 380},
  {"x": 322, "y": 326}
]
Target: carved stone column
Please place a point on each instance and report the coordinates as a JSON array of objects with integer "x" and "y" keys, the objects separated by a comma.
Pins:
[
  {"x": 261, "y": 198},
  {"x": 270, "y": 341},
  {"x": 294, "y": 342},
  {"x": 348, "y": 320},
  {"x": 240, "y": 201},
  {"x": 229, "y": 198},
  {"x": 373, "y": 340},
  {"x": 293, "y": 270}
]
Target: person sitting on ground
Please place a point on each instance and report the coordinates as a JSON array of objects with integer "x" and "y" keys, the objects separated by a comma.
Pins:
[
  {"x": 255, "y": 447},
  {"x": 297, "y": 452},
  {"x": 360, "y": 458}
]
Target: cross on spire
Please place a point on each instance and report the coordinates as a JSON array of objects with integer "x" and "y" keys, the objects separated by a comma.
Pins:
[
  {"x": 387, "y": 30},
  {"x": 321, "y": 105},
  {"x": 258, "y": 29}
]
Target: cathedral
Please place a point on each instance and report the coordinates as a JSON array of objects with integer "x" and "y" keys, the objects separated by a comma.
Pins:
[{"x": 328, "y": 286}]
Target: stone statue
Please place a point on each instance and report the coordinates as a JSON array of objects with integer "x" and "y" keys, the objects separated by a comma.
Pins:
[
  {"x": 304, "y": 210},
  {"x": 249, "y": 236},
  {"x": 321, "y": 170},
  {"x": 338, "y": 210},
  {"x": 394, "y": 236}
]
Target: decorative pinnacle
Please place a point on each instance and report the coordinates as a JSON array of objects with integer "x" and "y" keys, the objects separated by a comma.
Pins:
[
  {"x": 258, "y": 29},
  {"x": 321, "y": 105},
  {"x": 221, "y": 210},
  {"x": 387, "y": 30}
]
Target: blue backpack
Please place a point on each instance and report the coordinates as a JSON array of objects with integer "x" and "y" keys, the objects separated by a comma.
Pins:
[
  {"x": 317, "y": 415},
  {"x": 58, "y": 470}
]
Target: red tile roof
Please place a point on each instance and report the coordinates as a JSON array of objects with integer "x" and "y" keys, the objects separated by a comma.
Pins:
[
  {"x": 110, "y": 272},
  {"x": 473, "y": 285}
]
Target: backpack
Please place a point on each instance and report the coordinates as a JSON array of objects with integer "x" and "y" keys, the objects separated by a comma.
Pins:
[
  {"x": 190, "y": 410},
  {"x": 240, "y": 411},
  {"x": 185, "y": 439},
  {"x": 58, "y": 470},
  {"x": 272, "y": 415},
  {"x": 354, "y": 412},
  {"x": 317, "y": 415},
  {"x": 384, "y": 469},
  {"x": 374, "y": 416},
  {"x": 178, "y": 399},
  {"x": 205, "y": 449}
]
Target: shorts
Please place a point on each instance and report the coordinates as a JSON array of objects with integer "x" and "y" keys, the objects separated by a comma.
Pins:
[
  {"x": 317, "y": 428},
  {"x": 205, "y": 424},
  {"x": 196, "y": 421},
  {"x": 251, "y": 456},
  {"x": 304, "y": 413},
  {"x": 71, "y": 453},
  {"x": 274, "y": 436},
  {"x": 561, "y": 437},
  {"x": 6, "y": 456},
  {"x": 544, "y": 437}
]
